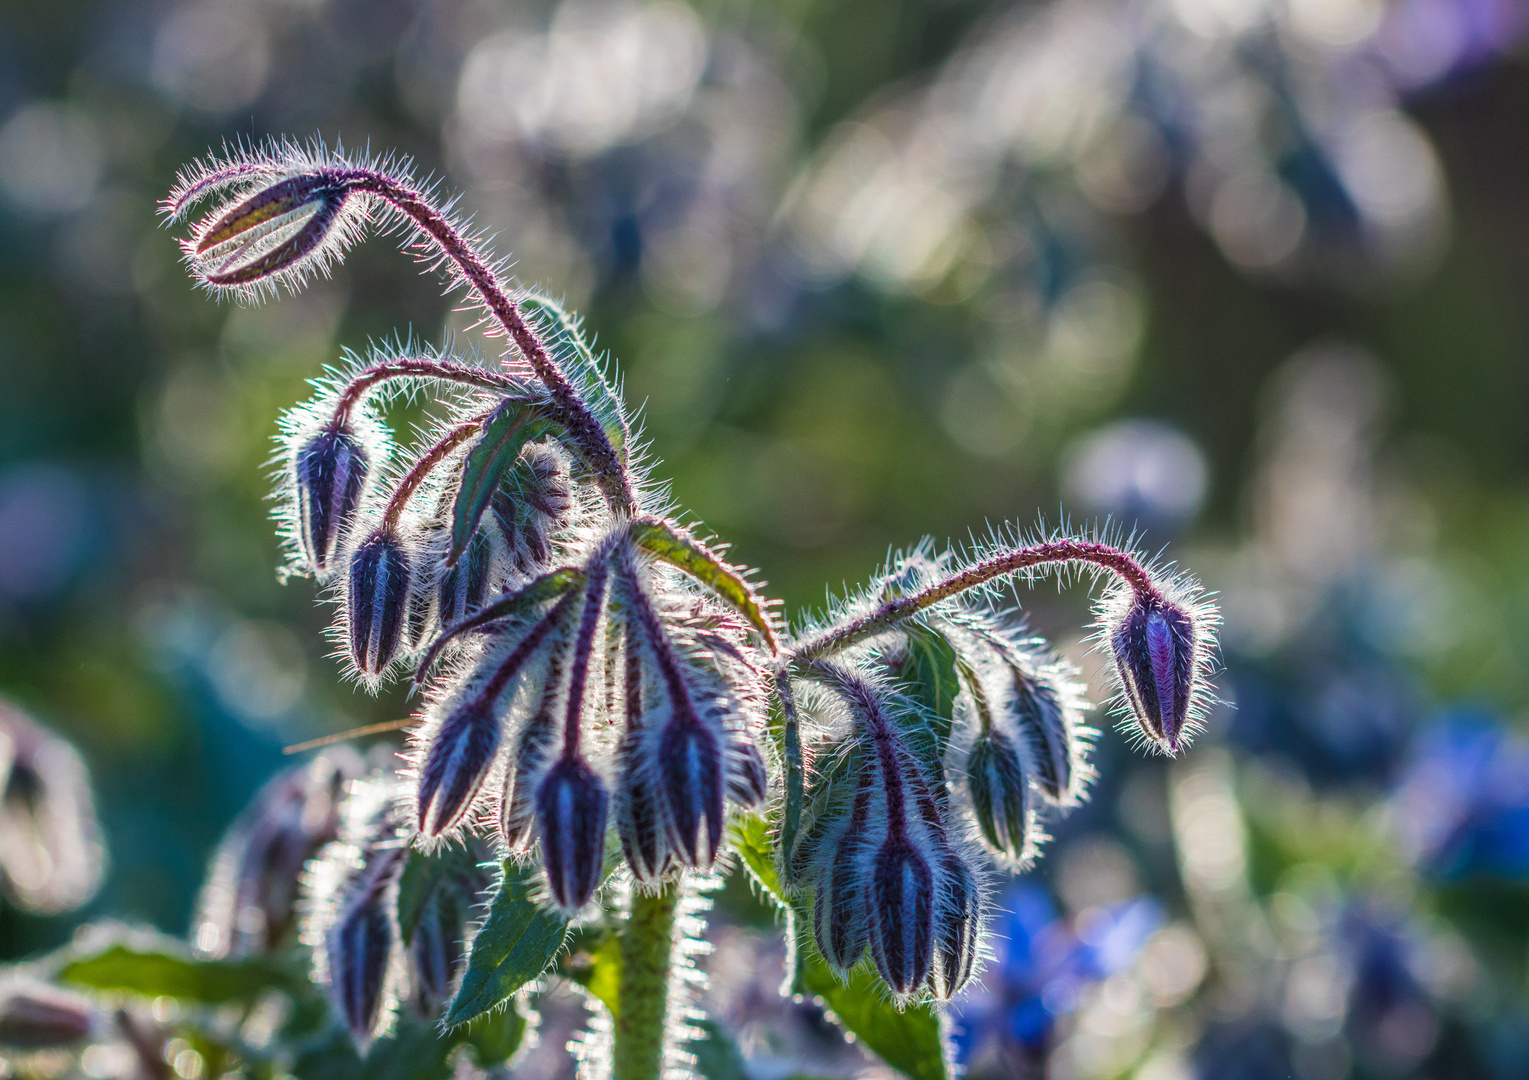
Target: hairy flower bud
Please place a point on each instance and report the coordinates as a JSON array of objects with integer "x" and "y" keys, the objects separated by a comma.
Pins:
[
  {"x": 36, "y": 1016},
  {"x": 464, "y": 586},
  {"x": 570, "y": 816},
  {"x": 362, "y": 947},
  {"x": 839, "y": 920},
  {"x": 330, "y": 470},
  {"x": 1040, "y": 713},
  {"x": 902, "y": 915},
  {"x": 435, "y": 951},
  {"x": 995, "y": 779},
  {"x": 378, "y": 601},
  {"x": 272, "y": 232},
  {"x": 748, "y": 781},
  {"x": 1154, "y": 649},
  {"x": 691, "y": 768},
  {"x": 456, "y": 764},
  {"x": 955, "y": 927}
]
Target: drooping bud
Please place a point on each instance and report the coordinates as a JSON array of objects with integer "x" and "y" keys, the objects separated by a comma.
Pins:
[
  {"x": 464, "y": 586},
  {"x": 1154, "y": 648},
  {"x": 748, "y": 781},
  {"x": 377, "y": 601},
  {"x": 435, "y": 951},
  {"x": 36, "y": 1016},
  {"x": 570, "y": 816},
  {"x": 51, "y": 855},
  {"x": 246, "y": 905},
  {"x": 691, "y": 787},
  {"x": 839, "y": 918},
  {"x": 454, "y": 768},
  {"x": 272, "y": 232},
  {"x": 955, "y": 927},
  {"x": 1041, "y": 718},
  {"x": 330, "y": 470},
  {"x": 995, "y": 779},
  {"x": 362, "y": 948},
  {"x": 902, "y": 915},
  {"x": 530, "y": 505}
]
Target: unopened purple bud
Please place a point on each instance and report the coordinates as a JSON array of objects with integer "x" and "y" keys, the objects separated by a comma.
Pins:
[
  {"x": 435, "y": 952},
  {"x": 1154, "y": 648},
  {"x": 456, "y": 764},
  {"x": 995, "y": 779},
  {"x": 839, "y": 918},
  {"x": 465, "y": 586},
  {"x": 272, "y": 231},
  {"x": 570, "y": 815},
  {"x": 902, "y": 915},
  {"x": 691, "y": 768},
  {"x": 36, "y": 1016},
  {"x": 378, "y": 601},
  {"x": 1040, "y": 716},
  {"x": 362, "y": 946},
  {"x": 748, "y": 782},
  {"x": 955, "y": 931},
  {"x": 330, "y": 470}
]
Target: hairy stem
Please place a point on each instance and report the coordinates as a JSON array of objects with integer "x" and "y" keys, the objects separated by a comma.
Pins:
[
  {"x": 893, "y": 612},
  {"x": 411, "y": 367},
  {"x": 611, "y": 475},
  {"x": 647, "y": 951},
  {"x": 428, "y": 461},
  {"x": 791, "y": 740}
]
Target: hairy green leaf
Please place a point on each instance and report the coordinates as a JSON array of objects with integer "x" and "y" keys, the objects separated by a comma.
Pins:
[
  {"x": 518, "y": 941},
  {"x": 687, "y": 554},
  {"x": 489, "y": 460},
  {"x": 169, "y": 972}
]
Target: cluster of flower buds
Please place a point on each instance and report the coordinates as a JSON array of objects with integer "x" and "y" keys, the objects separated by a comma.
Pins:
[
  {"x": 51, "y": 855},
  {"x": 36, "y": 1016},
  {"x": 606, "y": 691},
  {"x": 246, "y": 904},
  {"x": 385, "y": 932}
]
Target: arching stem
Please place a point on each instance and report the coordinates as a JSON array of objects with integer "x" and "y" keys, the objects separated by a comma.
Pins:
[
  {"x": 412, "y": 367},
  {"x": 610, "y": 473},
  {"x": 895, "y": 611},
  {"x": 428, "y": 461}
]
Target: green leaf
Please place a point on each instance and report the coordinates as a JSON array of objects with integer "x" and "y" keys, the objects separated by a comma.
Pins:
[
  {"x": 598, "y": 970},
  {"x": 517, "y": 942},
  {"x": 910, "y": 1041},
  {"x": 685, "y": 553},
  {"x": 717, "y": 1056},
  {"x": 566, "y": 345},
  {"x": 930, "y": 678},
  {"x": 415, "y": 1050},
  {"x": 488, "y": 462},
  {"x": 168, "y": 972}
]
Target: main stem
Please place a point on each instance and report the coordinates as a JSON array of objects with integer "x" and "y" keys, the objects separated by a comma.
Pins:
[
  {"x": 647, "y": 953},
  {"x": 893, "y": 612},
  {"x": 586, "y": 430}
]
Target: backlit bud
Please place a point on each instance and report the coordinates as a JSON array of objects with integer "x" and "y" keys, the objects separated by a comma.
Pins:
[
  {"x": 362, "y": 948},
  {"x": 377, "y": 601},
  {"x": 272, "y": 232},
  {"x": 570, "y": 815},
  {"x": 464, "y": 586},
  {"x": 330, "y": 471},
  {"x": 456, "y": 764},
  {"x": 435, "y": 952},
  {"x": 839, "y": 917},
  {"x": 995, "y": 780},
  {"x": 748, "y": 782},
  {"x": 1154, "y": 649},
  {"x": 1039, "y": 712},
  {"x": 36, "y": 1016},
  {"x": 691, "y": 769},
  {"x": 902, "y": 915},
  {"x": 955, "y": 929}
]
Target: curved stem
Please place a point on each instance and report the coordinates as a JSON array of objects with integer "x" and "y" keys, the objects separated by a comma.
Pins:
[
  {"x": 428, "y": 461},
  {"x": 411, "y": 367},
  {"x": 647, "y": 953},
  {"x": 615, "y": 481},
  {"x": 892, "y": 612}
]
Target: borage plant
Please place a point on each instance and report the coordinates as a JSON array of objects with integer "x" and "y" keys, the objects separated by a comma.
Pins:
[{"x": 611, "y": 712}]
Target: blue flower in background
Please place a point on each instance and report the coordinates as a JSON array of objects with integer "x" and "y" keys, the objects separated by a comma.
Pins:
[
  {"x": 1463, "y": 802},
  {"x": 1041, "y": 965}
]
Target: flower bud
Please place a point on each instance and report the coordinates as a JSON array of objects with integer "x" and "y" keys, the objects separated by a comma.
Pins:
[
  {"x": 1041, "y": 719},
  {"x": 330, "y": 471},
  {"x": 839, "y": 921},
  {"x": 902, "y": 915},
  {"x": 1154, "y": 649},
  {"x": 36, "y": 1016},
  {"x": 378, "y": 601},
  {"x": 955, "y": 929},
  {"x": 570, "y": 815},
  {"x": 690, "y": 763},
  {"x": 456, "y": 764},
  {"x": 272, "y": 232},
  {"x": 362, "y": 949},
  {"x": 748, "y": 782},
  {"x": 435, "y": 952},
  {"x": 995, "y": 779},
  {"x": 464, "y": 586}
]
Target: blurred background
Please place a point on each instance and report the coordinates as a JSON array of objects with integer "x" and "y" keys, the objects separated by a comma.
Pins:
[{"x": 1250, "y": 277}]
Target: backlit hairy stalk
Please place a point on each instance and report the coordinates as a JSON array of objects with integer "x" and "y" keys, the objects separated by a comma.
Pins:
[{"x": 597, "y": 678}]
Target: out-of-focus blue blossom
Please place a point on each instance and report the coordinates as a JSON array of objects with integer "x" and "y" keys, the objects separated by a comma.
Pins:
[
  {"x": 1463, "y": 803},
  {"x": 1141, "y": 474},
  {"x": 1042, "y": 964},
  {"x": 1390, "y": 1015}
]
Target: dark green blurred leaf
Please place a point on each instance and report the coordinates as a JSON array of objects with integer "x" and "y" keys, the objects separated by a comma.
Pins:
[
  {"x": 167, "y": 973},
  {"x": 717, "y": 1056},
  {"x": 598, "y": 970},
  {"x": 518, "y": 942},
  {"x": 415, "y": 1050}
]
